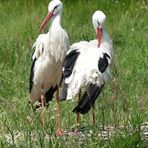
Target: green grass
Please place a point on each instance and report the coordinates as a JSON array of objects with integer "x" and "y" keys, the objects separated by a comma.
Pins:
[{"x": 124, "y": 100}]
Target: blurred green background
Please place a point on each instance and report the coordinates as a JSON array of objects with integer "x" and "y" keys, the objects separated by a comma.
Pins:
[{"x": 124, "y": 101}]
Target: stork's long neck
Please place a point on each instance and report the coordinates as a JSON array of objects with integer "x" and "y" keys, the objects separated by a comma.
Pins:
[
  {"x": 56, "y": 21},
  {"x": 105, "y": 37},
  {"x": 106, "y": 42}
]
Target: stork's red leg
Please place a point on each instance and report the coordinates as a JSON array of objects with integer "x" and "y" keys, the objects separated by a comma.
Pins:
[
  {"x": 94, "y": 116},
  {"x": 59, "y": 130},
  {"x": 78, "y": 114},
  {"x": 43, "y": 117}
]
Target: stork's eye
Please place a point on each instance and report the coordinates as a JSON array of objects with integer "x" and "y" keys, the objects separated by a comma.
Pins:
[
  {"x": 55, "y": 7},
  {"x": 98, "y": 23}
]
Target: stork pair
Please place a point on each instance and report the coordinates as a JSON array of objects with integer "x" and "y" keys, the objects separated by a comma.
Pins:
[{"x": 83, "y": 65}]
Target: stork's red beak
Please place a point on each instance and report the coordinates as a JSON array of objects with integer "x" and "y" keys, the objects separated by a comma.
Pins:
[
  {"x": 47, "y": 18},
  {"x": 99, "y": 35}
]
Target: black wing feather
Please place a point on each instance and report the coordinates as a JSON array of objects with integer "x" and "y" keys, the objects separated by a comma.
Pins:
[
  {"x": 63, "y": 94},
  {"x": 88, "y": 99},
  {"x": 49, "y": 94},
  {"x": 103, "y": 62},
  {"x": 31, "y": 75},
  {"x": 70, "y": 62}
]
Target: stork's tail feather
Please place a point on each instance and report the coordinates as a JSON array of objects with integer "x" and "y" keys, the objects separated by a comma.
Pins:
[{"x": 88, "y": 99}]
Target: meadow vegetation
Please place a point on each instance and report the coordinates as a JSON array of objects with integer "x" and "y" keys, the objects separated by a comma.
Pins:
[{"x": 122, "y": 107}]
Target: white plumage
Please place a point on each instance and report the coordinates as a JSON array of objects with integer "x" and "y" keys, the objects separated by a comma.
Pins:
[
  {"x": 89, "y": 67},
  {"x": 86, "y": 71},
  {"x": 48, "y": 57},
  {"x": 50, "y": 51}
]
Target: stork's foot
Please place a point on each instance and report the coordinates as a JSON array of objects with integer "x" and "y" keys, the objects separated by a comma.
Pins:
[
  {"x": 75, "y": 128},
  {"x": 59, "y": 132}
]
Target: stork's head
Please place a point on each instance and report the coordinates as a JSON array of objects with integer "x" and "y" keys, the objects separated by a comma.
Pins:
[
  {"x": 55, "y": 8},
  {"x": 98, "y": 20}
]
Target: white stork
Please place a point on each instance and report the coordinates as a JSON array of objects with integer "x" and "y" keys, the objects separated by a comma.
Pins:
[
  {"x": 48, "y": 58},
  {"x": 86, "y": 66}
]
